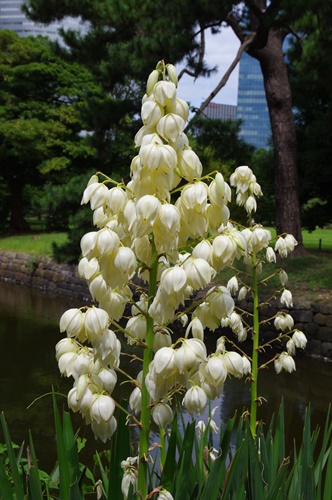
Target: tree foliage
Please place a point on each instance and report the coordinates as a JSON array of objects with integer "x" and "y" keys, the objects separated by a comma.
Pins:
[
  {"x": 41, "y": 104},
  {"x": 311, "y": 79},
  {"x": 132, "y": 36}
]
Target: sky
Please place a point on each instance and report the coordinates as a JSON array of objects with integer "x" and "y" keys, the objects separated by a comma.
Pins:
[{"x": 221, "y": 50}]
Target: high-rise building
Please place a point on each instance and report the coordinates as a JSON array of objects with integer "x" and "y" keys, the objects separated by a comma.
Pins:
[
  {"x": 251, "y": 104},
  {"x": 12, "y": 18}
]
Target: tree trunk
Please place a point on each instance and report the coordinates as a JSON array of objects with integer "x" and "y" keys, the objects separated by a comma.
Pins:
[
  {"x": 17, "y": 221},
  {"x": 279, "y": 100}
]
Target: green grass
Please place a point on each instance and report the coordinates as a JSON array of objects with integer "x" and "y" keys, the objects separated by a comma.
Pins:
[
  {"x": 320, "y": 239},
  {"x": 34, "y": 244}
]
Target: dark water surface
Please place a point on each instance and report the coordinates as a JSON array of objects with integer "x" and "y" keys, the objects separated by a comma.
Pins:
[{"x": 29, "y": 331}]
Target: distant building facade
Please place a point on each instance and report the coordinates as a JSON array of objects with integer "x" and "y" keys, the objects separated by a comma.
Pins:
[
  {"x": 12, "y": 18},
  {"x": 251, "y": 104},
  {"x": 222, "y": 112}
]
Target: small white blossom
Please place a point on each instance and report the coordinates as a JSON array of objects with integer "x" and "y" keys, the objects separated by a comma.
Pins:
[
  {"x": 286, "y": 298},
  {"x": 284, "y": 362}
]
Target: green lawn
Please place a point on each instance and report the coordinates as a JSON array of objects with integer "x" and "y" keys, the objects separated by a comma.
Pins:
[
  {"x": 320, "y": 239},
  {"x": 34, "y": 244}
]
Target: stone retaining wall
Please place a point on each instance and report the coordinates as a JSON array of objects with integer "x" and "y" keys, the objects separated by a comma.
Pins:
[
  {"x": 314, "y": 319},
  {"x": 42, "y": 273}
]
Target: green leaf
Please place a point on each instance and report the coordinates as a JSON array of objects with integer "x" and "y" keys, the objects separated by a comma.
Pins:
[
  {"x": 64, "y": 471},
  {"x": 182, "y": 481},
  {"x": 120, "y": 450},
  {"x": 17, "y": 477},
  {"x": 35, "y": 488}
]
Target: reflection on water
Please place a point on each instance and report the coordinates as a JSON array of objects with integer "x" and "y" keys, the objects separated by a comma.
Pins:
[{"x": 28, "y": 369}]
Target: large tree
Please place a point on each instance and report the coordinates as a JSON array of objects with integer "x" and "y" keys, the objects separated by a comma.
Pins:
[
  {"x": 131, "y": 37},
  {"x": 41, "y": 97},
  {"x": 311, "y": 81}
]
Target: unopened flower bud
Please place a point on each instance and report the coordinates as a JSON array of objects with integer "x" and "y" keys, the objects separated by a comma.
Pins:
[
  {"x": 152, "y": 80},
  {"x": 172, "y": 73}
]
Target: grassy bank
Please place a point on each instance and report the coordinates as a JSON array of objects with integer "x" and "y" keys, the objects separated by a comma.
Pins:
[{"x": 33, "y": 244}]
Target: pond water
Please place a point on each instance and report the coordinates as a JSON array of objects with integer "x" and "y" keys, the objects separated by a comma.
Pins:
[{"x": 29, "y": 331}]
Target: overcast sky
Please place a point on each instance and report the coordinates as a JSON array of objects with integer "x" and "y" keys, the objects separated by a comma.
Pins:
[{"x": 220, "y": 51}]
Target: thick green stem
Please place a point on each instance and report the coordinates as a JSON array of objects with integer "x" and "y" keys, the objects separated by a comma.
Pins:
[
  {"x": 254, "y": 366},
  {"x": 147, "y": 358}
]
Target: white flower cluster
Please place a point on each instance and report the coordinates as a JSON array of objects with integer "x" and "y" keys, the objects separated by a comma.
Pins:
[
  {"x": 138, "y": 226},
  {"x": 91, "y": 367},
  {"x": 246, "y": 188}
]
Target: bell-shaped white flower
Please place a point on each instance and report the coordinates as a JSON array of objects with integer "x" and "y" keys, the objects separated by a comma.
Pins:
[
  {"x": 162, "y": 338},
  {"x": 164, "y": 362},
  {"x": 260, "y": 238},
  {"x": 135, "y": 400},
  {"x": 107, "y": 241},
  {"x": 88, "y": 269},
  {"x": 98, "y": 287},
  {"x": 174, "y": 281},
  {"x": 189, "y": 355},
  {"x": 286, "y": 298},
  {"x": 88, "y": 244},
  {"x": 198, "y": 271},
  {"x": 104, "y": 430},
  {"x": 164, "y": 93},
  {"x": 125, "y": 263},
  {"x": 116, "y": 200},
  {"x": 299, "y": 339},
  {"x": 102, "y": 408},
  {"x": 96, "y": 320},
  {"x": 195, "y": 400},
  {"x": 290, "y": 242},
  {"x": 72, "y": 321},
  {"x": 233, "y": 285},
  {"x": 283, "y": 277},
  {"x": 233, "y": 363},
  {"x": 179, "y": 107},
  {"x": 246, "y": 365},
  {"x": 96, "y": 194},
  {"x": 66, "y": 364},
  {"x": 281, "y": 247},
  {"x": 170, "y": 126},
  {"x": 162, "y": 415},
  {"x": 108, "y": 377},
  {"x": 284, "y": 362},
  {"x": 291, "y": 347},
  {"x": 151, "y": 112},
  {"x": 224, "y": 251},
  {"x": 283, "y": 322},
  {"x": 250, "y": 205},
  {"x": 242, "y": 293},
  {"x": 203, "y": 250},
  {"x": 190, "y": 166},
  {"x": 214, "y": 370},
  {"x": 147, "y": 208},
  {"x": 65, "y": 345},
  {"x": 221, "y": 302},
  {"x": 270, "y": 255},
  {"x": 136, "y": 328},
  {"x": 196, "y": 328}
]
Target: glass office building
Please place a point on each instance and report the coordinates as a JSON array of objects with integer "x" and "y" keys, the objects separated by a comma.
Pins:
[
  {"x": 252, "y": 106},
  {"x": 12, "y": 18}
]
